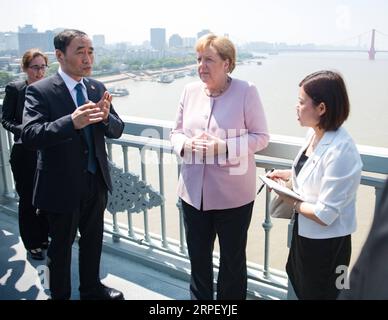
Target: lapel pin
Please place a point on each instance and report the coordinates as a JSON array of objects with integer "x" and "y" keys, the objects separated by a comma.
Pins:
[{"x": 93, "y": 87}]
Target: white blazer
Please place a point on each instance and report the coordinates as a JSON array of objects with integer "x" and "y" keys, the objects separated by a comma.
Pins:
[{"x": 329, "y": 180}]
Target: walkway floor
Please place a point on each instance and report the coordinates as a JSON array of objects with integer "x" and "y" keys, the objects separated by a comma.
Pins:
[{"x": 20, "y": 278}]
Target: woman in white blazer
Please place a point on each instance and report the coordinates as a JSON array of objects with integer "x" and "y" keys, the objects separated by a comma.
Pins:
[{"x": 326, "y": 173}]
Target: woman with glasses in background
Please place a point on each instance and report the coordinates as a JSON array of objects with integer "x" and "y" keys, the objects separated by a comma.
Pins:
[{"x": 33, "y": 227}]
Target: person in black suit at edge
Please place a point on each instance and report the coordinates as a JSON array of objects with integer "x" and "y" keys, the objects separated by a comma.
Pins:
[
  {"x": 33, "y": 228},
  {"x": 368, "y": 278},
  {"x": 66, "y": 118}
]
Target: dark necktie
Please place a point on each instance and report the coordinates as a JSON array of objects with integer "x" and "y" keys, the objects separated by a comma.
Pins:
[{"x": 92, "y": 163}]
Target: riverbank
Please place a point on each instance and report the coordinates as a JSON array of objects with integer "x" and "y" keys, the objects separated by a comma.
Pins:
[
  {"x": 113, "y": 78},
  {"x": 150, "y": 75},
  {"x": 166, "y": 73}
]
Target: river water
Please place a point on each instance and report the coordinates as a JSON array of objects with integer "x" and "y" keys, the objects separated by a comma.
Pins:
[{"x": 277, "y": 80}]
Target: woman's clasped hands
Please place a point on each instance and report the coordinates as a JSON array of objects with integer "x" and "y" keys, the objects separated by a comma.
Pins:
[{"x": 205, "y": 145}]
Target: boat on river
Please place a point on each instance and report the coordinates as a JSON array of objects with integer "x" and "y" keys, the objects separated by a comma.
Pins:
[
  {"x": 166, "y": 78},
  {"x": 118, "y": 92}
]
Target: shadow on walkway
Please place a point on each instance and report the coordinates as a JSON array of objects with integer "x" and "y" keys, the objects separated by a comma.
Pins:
[
  {"x": 16, "y": 270},
  {"x": 22, "y": 278}
]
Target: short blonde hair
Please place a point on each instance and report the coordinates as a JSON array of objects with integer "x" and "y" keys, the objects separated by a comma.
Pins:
[{"x": 224, "y": 47}]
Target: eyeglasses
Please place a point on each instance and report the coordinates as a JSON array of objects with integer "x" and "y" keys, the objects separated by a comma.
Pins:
[{"x": 37, "y": 68}]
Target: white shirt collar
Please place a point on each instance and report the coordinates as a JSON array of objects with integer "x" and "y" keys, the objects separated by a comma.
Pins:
[{"x": 69, "y": 81}]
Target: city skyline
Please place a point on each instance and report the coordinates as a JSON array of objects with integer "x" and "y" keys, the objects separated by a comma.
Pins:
[{"x": 294, "y": 22}]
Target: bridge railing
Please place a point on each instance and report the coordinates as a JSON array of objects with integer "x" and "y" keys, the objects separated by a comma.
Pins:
[{"x": 146, "y": 134}]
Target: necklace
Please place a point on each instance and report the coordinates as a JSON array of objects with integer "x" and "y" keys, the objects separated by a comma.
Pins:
[{"x": 219, "y": 92}]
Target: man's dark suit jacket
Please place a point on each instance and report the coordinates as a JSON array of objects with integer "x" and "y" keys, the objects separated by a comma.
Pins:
[
  {"x": 62, "y": 150},
  {"x": 13, "y": 105},
  {"x": 369, "y": 276}
]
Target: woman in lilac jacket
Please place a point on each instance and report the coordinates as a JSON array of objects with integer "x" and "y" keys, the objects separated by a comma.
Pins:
[{"x": 220, "y": 124}]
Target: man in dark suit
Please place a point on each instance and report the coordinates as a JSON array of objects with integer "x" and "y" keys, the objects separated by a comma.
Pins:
[
  {"x": 368, "y": 279},
  {"x": 66, "y": 118}
]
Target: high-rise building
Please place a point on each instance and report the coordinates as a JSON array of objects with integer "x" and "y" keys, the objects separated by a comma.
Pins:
[
  {"x": 189, "y": 42},
  {"x": 2, "y": 41},
  {"x": 29, "y": 37},
  {"x": 175, "y": 41},
  {"x": 202, "y": 33},
  {"x": 28, "y": 28},
  {"x": 158, "y": 38},
  {"x": 9, "y": 41},
  {"x": 99, "y": 40}
]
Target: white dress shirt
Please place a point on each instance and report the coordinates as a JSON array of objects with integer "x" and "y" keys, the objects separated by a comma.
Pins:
[{"x": 71, "y": 83}]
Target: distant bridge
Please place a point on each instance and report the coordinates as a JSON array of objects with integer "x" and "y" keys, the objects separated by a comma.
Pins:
[
  {"x": 371, "y": 52},
  {"x": 330, "y": 50}
]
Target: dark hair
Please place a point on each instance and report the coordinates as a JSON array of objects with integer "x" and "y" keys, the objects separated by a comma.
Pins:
[
  {"x": 328, "y": 87},
  {"x": 63, "y": 39},
  {"x": 30, "y": 55}
]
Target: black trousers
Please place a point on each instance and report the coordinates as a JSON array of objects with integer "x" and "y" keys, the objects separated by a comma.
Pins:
[
  {"x": 33, "y": 228},
  {"x": 312, "y": 265},
  {"x": 231, "y": 227},
  {"x": 89, "y": 220}
]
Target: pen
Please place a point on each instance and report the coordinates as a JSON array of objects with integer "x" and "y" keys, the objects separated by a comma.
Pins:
[{"x": 262, "y": 186}]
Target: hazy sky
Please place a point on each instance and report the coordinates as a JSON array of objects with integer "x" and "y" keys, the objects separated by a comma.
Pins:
[{"x": 291, "y": 21}]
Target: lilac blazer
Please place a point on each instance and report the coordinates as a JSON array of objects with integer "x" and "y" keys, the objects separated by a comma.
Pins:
[{"x": 237, "y": 116}]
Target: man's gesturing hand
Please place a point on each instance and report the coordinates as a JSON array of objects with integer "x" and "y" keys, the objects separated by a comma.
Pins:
[
  {"x": 104, "y": 105},
  {"x": 86, "y": 114}
]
